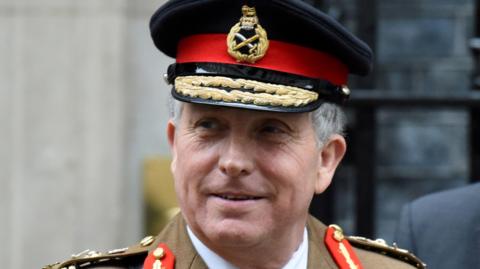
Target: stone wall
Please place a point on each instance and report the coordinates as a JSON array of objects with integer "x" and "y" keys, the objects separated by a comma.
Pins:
[
  {"x": 75, "y": 78},
  {"x": 421, "y": 48}
]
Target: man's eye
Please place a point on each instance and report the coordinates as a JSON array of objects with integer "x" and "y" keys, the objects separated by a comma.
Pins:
[
  {"x": 208, "y": 124},
  {"x": 271, "y": 129}
]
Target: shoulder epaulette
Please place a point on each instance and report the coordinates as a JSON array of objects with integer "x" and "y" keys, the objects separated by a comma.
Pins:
[
  {"x": 90, "y": 257},
  {"x": 340, "y": 249},
  {"x": 380, "y": 246}
]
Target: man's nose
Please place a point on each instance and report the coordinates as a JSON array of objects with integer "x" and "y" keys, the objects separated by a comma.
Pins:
[{"x": 237, "y": 157}]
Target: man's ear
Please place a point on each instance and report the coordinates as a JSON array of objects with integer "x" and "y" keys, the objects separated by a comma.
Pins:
[
  {"x": 171, "y": 128},
  {"x": 330, "y": 156}
]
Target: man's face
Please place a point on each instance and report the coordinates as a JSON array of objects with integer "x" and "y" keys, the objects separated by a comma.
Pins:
[{"x": 245, "y": 177}]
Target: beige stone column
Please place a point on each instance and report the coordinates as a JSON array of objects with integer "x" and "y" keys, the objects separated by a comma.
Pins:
[{"x": 71, "y": 76}]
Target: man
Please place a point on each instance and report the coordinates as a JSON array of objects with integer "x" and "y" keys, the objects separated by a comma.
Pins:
[
  {"x": 255, "y": 132},
  {"x": 430, "y": 225}
]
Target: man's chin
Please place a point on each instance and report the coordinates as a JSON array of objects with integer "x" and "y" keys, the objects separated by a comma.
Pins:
[{"x": 236, "y": 232}]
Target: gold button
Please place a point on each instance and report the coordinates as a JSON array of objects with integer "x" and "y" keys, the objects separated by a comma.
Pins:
[
  {"x": 147, "y": 241},
  {"x": 338, "y": 232},
  {"x": 345, "y": 90},
  {"x": 381, "y": 242},
  {"x": 159, "y": 253}
]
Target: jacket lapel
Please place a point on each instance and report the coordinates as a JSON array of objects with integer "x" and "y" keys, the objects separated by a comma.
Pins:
[
  {"x": 318, "y": 255},
  {"x": 175, "y": 236}
]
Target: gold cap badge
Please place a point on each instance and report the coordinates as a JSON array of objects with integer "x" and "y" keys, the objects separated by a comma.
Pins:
[{"x": 247, "y": 40}]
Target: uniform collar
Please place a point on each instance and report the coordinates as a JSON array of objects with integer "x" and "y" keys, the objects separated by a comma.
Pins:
[{"x": 212, "y": 260}]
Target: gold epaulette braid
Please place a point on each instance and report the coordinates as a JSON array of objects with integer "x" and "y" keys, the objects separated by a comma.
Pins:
[
  {"x": 380, "y": 246},
  {"x": 89, "y": 258}
]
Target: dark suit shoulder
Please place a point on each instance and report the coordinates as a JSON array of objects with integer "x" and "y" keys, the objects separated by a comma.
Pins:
[
  {"x": 425, "y": 227},
  {"x": 427, "y": 217},
  {"x": 123, "y": 258},
  {"x": 377, "y": 254},
  {"x": 452, "y": 199}
]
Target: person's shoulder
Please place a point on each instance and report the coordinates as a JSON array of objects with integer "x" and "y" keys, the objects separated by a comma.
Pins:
[
  {"x": 452, "y": 199},
  {"x": 468, "y": 191},
  {"x": 350, "y": 251},
  {"x": 378, "y": 254},
  {"x": 128, "y": 257}
]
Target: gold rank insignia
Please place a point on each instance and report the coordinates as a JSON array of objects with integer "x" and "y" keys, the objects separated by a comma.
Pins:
[{"x": 247, "y": 40}]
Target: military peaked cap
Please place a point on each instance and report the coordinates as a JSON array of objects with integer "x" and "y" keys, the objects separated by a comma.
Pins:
[{"x": 274, "y": 55}]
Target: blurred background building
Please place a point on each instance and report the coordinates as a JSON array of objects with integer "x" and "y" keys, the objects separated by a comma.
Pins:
[{"x": 83, "y": 111}]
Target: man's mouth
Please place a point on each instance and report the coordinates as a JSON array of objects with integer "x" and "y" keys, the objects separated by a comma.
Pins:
[{"x": 232, "y": 197}]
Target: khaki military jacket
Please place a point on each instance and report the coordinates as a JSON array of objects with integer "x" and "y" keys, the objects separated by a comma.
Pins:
[{"x": 175, "y": 236}]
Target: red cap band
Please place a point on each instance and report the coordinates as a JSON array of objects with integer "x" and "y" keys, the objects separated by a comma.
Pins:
[{"x": 280, "y": 56}]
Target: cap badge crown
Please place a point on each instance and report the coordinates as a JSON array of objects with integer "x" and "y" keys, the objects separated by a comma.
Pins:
[{"x": 247, "y": 40}]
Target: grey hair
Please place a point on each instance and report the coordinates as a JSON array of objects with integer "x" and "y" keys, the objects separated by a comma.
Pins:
[
  {"x": 174, "y": 109},
  {"x": 327, "y": 120}
]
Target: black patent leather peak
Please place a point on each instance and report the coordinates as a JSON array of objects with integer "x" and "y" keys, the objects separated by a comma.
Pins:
[{"x": 327, "y": 91}]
